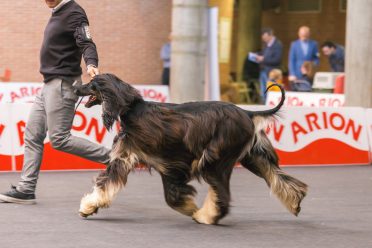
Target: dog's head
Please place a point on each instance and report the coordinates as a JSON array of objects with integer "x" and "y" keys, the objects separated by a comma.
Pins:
[
  {"x": 115, "y": 96},
  {"x": 89, "y": 89}
]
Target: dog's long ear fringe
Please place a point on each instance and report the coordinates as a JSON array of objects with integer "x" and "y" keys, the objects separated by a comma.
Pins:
[
  {"x": 109, "y": 119},
  {"x": 117, "y": 97}
]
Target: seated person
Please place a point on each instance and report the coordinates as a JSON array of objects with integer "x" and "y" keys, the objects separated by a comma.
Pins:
[
  {"x": 304, "y": 84},
  {"x": 275, "y": 76},
  {"x": 308, "y": 71}
]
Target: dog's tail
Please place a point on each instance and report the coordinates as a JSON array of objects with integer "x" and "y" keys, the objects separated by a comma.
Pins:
[{"x": 262, "y": 118}]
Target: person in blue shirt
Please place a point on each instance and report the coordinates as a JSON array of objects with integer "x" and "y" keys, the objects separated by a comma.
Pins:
[
  {"x": 165, "y": 55},
  {"x": 270, "y": 58},
  {"x": 303, "y": 49},
  {"x": 335, "y": 54}
]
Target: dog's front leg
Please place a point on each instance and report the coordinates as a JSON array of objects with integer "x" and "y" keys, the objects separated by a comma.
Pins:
[
  {"x": 107, "y": 185},
  {"x": 110, "y": 181}
]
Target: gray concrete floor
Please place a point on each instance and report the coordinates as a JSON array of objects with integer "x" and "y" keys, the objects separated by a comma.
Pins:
[{"x": 336, "y": 213}]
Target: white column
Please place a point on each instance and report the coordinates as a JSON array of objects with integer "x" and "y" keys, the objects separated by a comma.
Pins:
[
  {"x": 358, "y": 68},
  {"x": 212, "y": 72},
  {"x": 189, "y": 36}
]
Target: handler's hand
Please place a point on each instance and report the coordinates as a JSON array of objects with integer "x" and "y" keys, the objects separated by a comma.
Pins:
[{"x": 92, "y": 71}]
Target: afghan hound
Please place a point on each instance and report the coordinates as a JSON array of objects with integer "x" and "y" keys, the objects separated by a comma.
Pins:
[{"x": 195, "y": 140}]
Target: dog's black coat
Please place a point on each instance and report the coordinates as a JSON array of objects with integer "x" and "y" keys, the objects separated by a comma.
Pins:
[{"x": 202, "y": 140}]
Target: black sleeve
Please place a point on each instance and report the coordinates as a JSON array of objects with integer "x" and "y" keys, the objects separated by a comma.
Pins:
[{"x": 78, "y": 22}]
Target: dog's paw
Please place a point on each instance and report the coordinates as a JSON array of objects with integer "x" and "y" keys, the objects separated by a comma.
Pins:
[
  {"x": 85, "y": 215},
  {"x": 201, "y": 217},
  {"x": 88, "y": 206}
]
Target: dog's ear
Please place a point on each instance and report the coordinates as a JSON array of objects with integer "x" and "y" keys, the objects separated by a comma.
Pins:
[
  {"x": 101, "y": 84},
  {"x": 117, "y": 97},
  {"x": 109, "y": 119},
  {"x": 111, "y": 113}
]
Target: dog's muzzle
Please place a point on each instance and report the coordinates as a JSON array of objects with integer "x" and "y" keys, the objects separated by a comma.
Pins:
[{"x": 80, "y": 89}]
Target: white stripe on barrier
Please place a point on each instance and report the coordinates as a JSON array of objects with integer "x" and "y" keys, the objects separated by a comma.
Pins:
[
  {"x": 306, "y": 99},
  {"x": 15, "y": 92}
]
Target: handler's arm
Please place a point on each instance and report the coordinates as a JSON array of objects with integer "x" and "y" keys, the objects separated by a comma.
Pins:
[{"x": 79, "y": 22}]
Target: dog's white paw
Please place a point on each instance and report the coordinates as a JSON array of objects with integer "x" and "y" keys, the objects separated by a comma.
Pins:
[
  {"x": 201, "y": 216},
  {"x": 88, "y": 206}
]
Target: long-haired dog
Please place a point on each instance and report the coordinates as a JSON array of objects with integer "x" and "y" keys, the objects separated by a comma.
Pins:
[{"x": 196, "y": 140}]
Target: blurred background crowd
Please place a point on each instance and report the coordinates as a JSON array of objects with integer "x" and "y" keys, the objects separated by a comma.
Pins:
[{"x": 259, "y": 42}]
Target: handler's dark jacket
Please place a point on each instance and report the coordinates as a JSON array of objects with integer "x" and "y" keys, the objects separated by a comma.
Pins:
[{"x": 66, "y": 39}]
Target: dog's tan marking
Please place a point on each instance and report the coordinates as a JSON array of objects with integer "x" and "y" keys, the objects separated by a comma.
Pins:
[
  {"x": 208, "y": 213},
  {"x": 262, "y": 122},
  {"x": 195, "y": 167},
  {"x": 129, "y": 159},
  {"x": 160, "y": 167},
  {"x": 189, "y": 207}
]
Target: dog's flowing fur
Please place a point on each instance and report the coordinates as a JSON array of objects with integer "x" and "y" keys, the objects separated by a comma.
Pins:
[{"x": 196, "y": 140}]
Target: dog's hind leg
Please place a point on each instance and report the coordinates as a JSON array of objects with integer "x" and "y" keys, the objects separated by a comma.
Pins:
[
  {"x": 178, "y": 194},
  {"x": 109, "y": 182},
  {"x": 263, "y": 162},
  {"x": 216, "y": 204}
]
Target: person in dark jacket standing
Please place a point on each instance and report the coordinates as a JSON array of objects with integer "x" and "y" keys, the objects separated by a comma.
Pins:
[
  {"x": 271, "y": 57},
  {"x": 66, "y": 39},
  {"x": 335, "y": 54}
]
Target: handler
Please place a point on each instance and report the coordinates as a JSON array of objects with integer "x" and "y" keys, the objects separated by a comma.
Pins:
[{"x": 66, "y": 39}]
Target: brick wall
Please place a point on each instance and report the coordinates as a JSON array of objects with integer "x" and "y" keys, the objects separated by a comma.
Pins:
[
  {"x": 329, "y": 24},
  {"x": 128, "y": 34}
]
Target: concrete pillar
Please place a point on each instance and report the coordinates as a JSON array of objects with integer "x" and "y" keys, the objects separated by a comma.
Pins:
[
  {"x": 189, "y": 37},
  {"x": 249, "y": 31},
  {"x": 358, "y": 88}
]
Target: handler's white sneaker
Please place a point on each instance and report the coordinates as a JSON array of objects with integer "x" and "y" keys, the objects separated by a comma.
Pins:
[{"x": 14, "y": 196}]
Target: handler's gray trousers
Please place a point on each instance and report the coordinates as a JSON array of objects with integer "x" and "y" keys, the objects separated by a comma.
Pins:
[{"x": 53, "y": 111}]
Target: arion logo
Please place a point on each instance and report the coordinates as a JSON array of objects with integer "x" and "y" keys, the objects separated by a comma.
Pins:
[
  {"x": 24, "y": 92},
  {"x": 326, "y": 121},
  {"x": 301, "y": 130}
]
